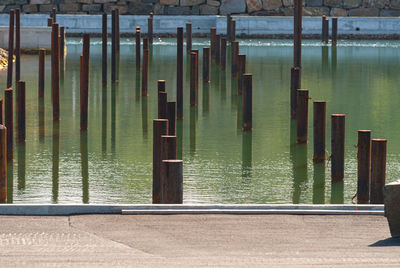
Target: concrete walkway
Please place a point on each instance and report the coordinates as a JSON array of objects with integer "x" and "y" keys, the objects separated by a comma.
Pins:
[{"x": 197, "y": 241}]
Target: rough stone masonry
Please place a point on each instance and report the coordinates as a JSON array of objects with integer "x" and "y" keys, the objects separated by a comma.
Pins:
[{"x": 367, "y": 8}]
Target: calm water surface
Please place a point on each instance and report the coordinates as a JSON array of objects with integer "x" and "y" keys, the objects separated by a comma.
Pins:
[{"x": 112, "y": 163}]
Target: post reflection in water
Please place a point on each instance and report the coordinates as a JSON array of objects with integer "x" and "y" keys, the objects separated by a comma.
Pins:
[
  {"x": 104, "y": 120},
  {"x": 337, "y": 195},
  {"x": 21, "y": 149},
  {"x": 319, "y": 183},
  {"x": 137, "y": 86},
  {"x": 214, "y": 76},
  {"x": 334, "y": 59},
  {"x": 144, "y": 119},
  {"x": 10, "y": 180},
  {"x": 179, "y": 139},
  {"x": 239, "y": 113},
  {"x": 55, "y": 160},
  {"x": 206, "y": 98},
  {"x": 234, "y": 96},
  {"x": 324, "y": 58},
  {"x": 192, "y": 126},
  {"x": 85, "y": 167},
  {"x": 223, "y": 86},
  {"x": 247, "y": 153},
  {"x": 41, "y": 120},
  {"x": 114, "y": 88}
]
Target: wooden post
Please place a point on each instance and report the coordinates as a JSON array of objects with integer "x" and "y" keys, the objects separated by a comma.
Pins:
[
  {"x": 160, "y": 128},
  {"x": 21, "y": 111},
  {"x": 145, "y": 70},
  {"x": 179, "y": 73},
  {"x": 241, "y": 66},
  {"x": 3, "y": 164},
  {"x": 228, "y": 26},
  {"x": 138, "y": 38},
  {"x": 10, "y": 49},
  {"x": 17, "y": 45},
  {"x": 104, "y": 50},
  {"x": 319, "y": 127},
  {"x": 302, "y": 115},
  {"x": 113, "y": 46},
  {"x": 213, "y": 33},
  {"x": 334, "y": 30},
  {"x": 193, "y": 71},
  {"x": 378, "y": 170},
  {"x": 294, "y": 86},
  {"x": 298, "y": 18},
  {"x": 172, "y": 178},
  {"x": 49, "y": 22},
  {"x": 247, "y": 102},
  {"x": 117, "y": 32},
  {"x": 206, "y": 64},
  {"x": 188, "y": 37},
  {"x": 9, "y": 121},
  {"x": 223, "y": 54},
  {"x": 337, "y": 147},
  {"x": 150, "y": 29},
  {"x": 84, "y": 100},
  {"x": 42, "y": 60},
  {"x": 234, "y": 55},
  {"x": 233, "y": 30},
  {"x": 54, "y": 14},
  {"x": 217, "y": 49},
  {"x": 363, "y": 166},
  {"x": 55, "y": 73},
  {"x": 171, "y": 115}
]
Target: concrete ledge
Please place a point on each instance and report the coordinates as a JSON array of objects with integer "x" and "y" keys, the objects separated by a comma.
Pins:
[
  {"x": 59, "y": 209},
  {"x": 32, "y": 38}
]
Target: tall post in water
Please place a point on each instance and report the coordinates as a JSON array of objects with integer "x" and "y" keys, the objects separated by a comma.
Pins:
[
  {"x": 42, "y": 57},
  {"x": 3, "y": 164},
  {"x": 188, "y": 37},
  {"x": 172, "y": 178},
  {"x": 334, "y": 30},
  {"x": 150, "y": 29},
  {"x": 319, "y": 127},
  {"x": 363, "y": 166},
  {"x": 302, "y": 115},
  {"x": 162, "y": 100},
  {"x": 62, "y": 42},
  {"x": 234, "y": 56},
  {"x": 10, "y": 49},
  {"x": 217, "y": 49},
  {"x": 145, "y": 66},
  {"x": 233, "y": 30},
  {"x": 54, "y": 14},
  {"x": 223, "y": 54},
  {"x": 171, "y": 116},
  {"x": 9, "y": 121},
  {"x": 179, "y": 74},
  {"x": 84, "y": 97},
  {"x": 117, "y": 32},
  {"x": 241, "y": 66},
  {"x": 193, "y": 72},
  {"x": 206, "y": 64},
  {"x": 104, "y": 50},
  {"x": 298, "y": 21},
  {"x": 325, "y": 29},
  {"x": 247, "y": 101},
  {"x": 113, "y": 47},
  {"x": 228, "y": 26},
  {"x": 17, "y": 45},
  {"x": 21, "y": 111},
  {"x": 160, "y": 128},
  {"x": 168, "y": 143},
  {"x": 213, "y": 33},
  {"x": 1, "y": 112},
  {"x": 55, "y": 73},
  {"x": 295, "y": 73},
  {"x": 337, "y": 147},
  {"x": 378, "y": 170},
  {"x": 49, "y": 22},
  {"x": 137, "y": 39}
]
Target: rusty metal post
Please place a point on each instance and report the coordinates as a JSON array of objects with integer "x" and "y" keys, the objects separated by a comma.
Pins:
[
  {"x": 247, "y": 102},
  {"x": 168, "y": 143},
  {"x": 378, "y": 170},
  {"x": 150, "y": 29},
  {"x": 325, "y": 29},
  {"x": 42, "y": 60},
  {"x": 298, "y": 18},
  {"x": 188, "y": 37},
  {"x": 171, "y": 116},
  {"x": 10, "y": 50},
  {"x": 228, "y": 26},
  {"x": 233, "y": 30},
  {"x": 84, "y": 97},
  {"x": 295, "y": 84},
  {"x": 54, "y": 14},
  {"x": 337, "y": 147},
  {"x": 145, "y": 43},
  {"x": 62, "y": 42},
  {"x": 363, "y": 166},
  {"x": 49, "y": 22},
  {"x": 206, "y": 64},
  {"x": 172, "y": 178},
  {"x": 117, "y": 32},
  {"x": 319, "y": 127},
  {"x": 113, "y": 47},
  {"x": 193, "y": 71},
  {"x": 213, "y": 33},
  {"x": 334, "y": 30},
  {"x": 104, "y": 50},
  {"x": 217, "y": 49},
  {"x": 302, "y": 115},
  {"x": 223, "y": 54},
  {"x": 241, "y": 66},
  {"x": 234, "y": 55},
  {"x": 55, "y": 73},
  {"x": 21, "y": 111},
  {"x": 179, "y": 73},
  {"x": 160, "y": 128},
  {"x": 137, "y": 38},
  {"x": 9, "y": 121},
  {"x": 162, "y": 100},
  {"x": 3, "y": 164},
  {"x": 145, "y": 71},
  {"x": 17, "y": 45},
  {"x": 1, "y": 112}
]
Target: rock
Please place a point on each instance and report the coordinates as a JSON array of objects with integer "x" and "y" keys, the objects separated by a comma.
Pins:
[
  {"x": 208, "y": 10},
  {"x": 29, "y": 8},
  {"x": 232, "y": 6},
  {"x": 253, "y": 5},
  {"x": 389, "y": 13},
  {"x": 364, "y": 12},
  {"x": 20, "y": 2},
  {"x": 287, "y": 3},
  {"x": 104, "y": 1},
  {"x": 84, "y": 1},
  {"x": 46, "y": 8},
  {"x": 338, "y": 12},
  {"x": 391, "y": 194},
  {"x": 315, "y": 11},
  {"x": 271, "y": 4},
  {"x": 395, "y": 4},
  {"x": 3, "y": 58},
  {"x": 149, "y": 1},
  {"x": 140, "y": 8},
  {"x": 70, "y": 7},
  {"x": 186, "y": 3},
  {"x": 2, "y": 7},
  {"x": 93, "y": 8},
  {"x": 7, "y": 2},
  {"x": 288, "y": 11},
  {"x": 40, "y": 2},
  {"x": 351, "y": 3},
  {"x": 110, "y": 7},
  {"x": 195, "y": 10},
  {"x": 376, "y": 3},
  {"x": 169, "y": 2},
  {"x": 178, "y": 10},
  {"x": 7, "y": 9},
  {"x": 276, "y": 12},
  {"x": 333, "y": 3},
  {"x": 159, "y": 9},
  {"x": 314, "y": 3},
  {"x": 213, "y": 3}
]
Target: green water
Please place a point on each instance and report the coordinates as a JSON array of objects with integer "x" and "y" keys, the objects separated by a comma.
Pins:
[{"x": 113, "y": 162}]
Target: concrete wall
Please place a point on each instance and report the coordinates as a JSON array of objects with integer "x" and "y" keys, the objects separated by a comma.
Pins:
[{"x": 33, "y": 37}]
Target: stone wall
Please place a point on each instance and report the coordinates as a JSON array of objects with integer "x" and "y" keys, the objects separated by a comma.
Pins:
[{"x": 369, "y": 8}]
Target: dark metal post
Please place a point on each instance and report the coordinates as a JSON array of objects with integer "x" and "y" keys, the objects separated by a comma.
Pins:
[
  {"x": 193, "y": 73},
  {"x": 334, "y": 30},
  {"x": 42, "y": 60},
  {"x": 247, "y": 102},
  {"x": 378, "y": 170},
  {"x": 55, "y": 72},
  {"x": 179, "y": 73},
  {"x": 223, "y": 54},
  {"x": 298, "y": 18},
  {"x": 234, "y": 55},
  {"x": 171, "y": 115},
  {"x": 3, "y": 164},
  {"x": 113, "y": 47},
  {"x": 150, "y": 29},
  {"x": 17, "y": 45},
  {"x": 302, "y": 115},
  {"x": 217, "y": 49},
  {"x": 188, "y": 37},
  {"x": 337, "y": 147},
  {"x": 84, "y": 100},
  {"x": 213, "y": 33},
  {"x": 138, "y": 38},
  {"x": 145, "y": 70},
  {"x": 160, "y": 128},
  {"x": 241, "y": 66},
  {"x": 21, "y": 110},
  {"x": 9, "y": 121},
  {"x": 294, "y": 86},
  {"x": 10, "y": 49},
  {"x": 172, "y": 177},
  {"x": 104, "y": 50},
  {"x": 228, "y": 26},
  {"x": 363, "y": 166},
  {"x": 206, "y": 64},
  {"x": 319, "y": 127},
  {"x": 233, "y": 30}
]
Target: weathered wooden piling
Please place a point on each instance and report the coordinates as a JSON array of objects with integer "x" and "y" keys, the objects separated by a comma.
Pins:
[
  {"x": 319, "y": 128},
  {"x": 9, "y": 121},
  {"x": 150, "y": 29},
  {"x": 218, "y": 49},
  {"x": 247, "y": 102},
  {"x": 206, "y": 64},
  {"x": 54, "y": 14},
  {"x": 234, "y": 56},
  {"x": 104, "y": 50},
  {"x": 172, "y": 178},
  {"x": 84, "y": 96},
  {"x": 188, "y": 37},
  {"x": 113, "y": 47},
  {"x": 55, "y": 73},
  {"x": 337, "y": 147},
  {"x": 21, "y": 111},
  {"x": 298, "y": 21},
  {"x": 228, "y": 26},
  {"x": 117, "y": 33},
  {"x": 145, "y": 70},
  {"x": 3, "y": 164},
  {"x": 171, "y": 116},
  {"x": 17, "y": 44},
  {"x": 137, "y": 38},
  {"x": 302, "y": 115},
  {"x": 295, "y": 84},
  {"x": 223, "y": 54},
  {"x": 233, "y": 30},
  {"x": 334, "y": 30},
  {"x": 168, "y": 143},
  {"x": 160, "y": 128},
  {"x": 193, "y": 72},
  {"x": 363, "y": 166},
  {"x": 10, "y": 49},
  {"x": 213, "y": 33},
  {"x": 241, "y": 70},
  {"x": 378, "y": 170},
  {"x": 42, "y": 60},
  {"x": 49, "y": 22},
  {"x": 179, "y": 73}
]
